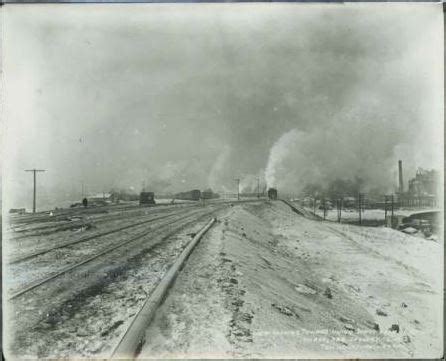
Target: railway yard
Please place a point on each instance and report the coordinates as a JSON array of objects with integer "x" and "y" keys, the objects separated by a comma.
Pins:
[
  {"x": 262, "y": 281},
  {"x": 222, "y": 181}
]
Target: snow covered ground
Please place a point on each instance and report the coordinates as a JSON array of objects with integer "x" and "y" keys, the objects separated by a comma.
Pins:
[
  {"x": 265, "y": 282},
  {"x": 367, "y": 214},
  {"x": 85, "y": 312}
]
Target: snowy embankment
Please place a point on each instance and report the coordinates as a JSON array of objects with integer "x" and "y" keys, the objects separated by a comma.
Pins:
[{"x": 265, "y": 282}]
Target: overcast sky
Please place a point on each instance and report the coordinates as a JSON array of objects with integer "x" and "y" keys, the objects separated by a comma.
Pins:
[{"x": 194, "y": 95}]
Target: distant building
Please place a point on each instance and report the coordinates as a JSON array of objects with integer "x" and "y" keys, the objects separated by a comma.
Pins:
[
  {"x": 425, "y": 183},
  {"x": 349, "y": 201},
  {"x": 99, "y": 196},
  {"x": 122, "y": 195},
  {"x": 99, "y": 199},
  {"x": 17, "y": 211},
  {"x": 422, "y": 191}
]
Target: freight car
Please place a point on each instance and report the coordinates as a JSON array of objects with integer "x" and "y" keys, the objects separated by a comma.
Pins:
[
  {"x": 272, "y": 193},
  {"x": 193, "y": 195},
  {"x": 146, "y": 198},
  {"x": 208, "y": 194}
]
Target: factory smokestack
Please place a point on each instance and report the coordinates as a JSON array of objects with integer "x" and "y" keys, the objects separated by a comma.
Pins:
[{"x": 400, "y": 176}]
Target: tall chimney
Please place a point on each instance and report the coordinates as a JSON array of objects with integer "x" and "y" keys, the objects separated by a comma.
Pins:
[{"x": 400, "y": 174}]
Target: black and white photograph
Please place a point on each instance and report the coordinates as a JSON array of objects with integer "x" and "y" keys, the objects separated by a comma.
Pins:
[{"x": 222, "y": 180}]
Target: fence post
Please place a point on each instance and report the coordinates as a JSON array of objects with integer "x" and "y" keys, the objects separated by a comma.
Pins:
[
  {"x": 340, "y": 209},
  {"x": 337, "y": 207},
  {"x": 359, "y": 208},
  {"x": 391, "y": 218}
]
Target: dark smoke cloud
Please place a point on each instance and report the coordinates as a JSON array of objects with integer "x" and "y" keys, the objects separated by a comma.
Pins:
[{"x": 193, "y": 96}]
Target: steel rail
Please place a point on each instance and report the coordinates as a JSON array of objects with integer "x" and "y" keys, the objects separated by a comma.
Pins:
[
  {"x": 105, "y": 251},
  {"x": 86, "y": 239},
  {"x": 133, "y": 338},
  {"x": 302, "y": 212},
  {"x": 44, "y": 216},
  {"x": 56, "y": 220},
  {"x": 54, "y": 228}
]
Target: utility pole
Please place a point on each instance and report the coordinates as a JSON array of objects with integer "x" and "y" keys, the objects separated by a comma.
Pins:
[
  {"x": 34, "y": 189},
  {"x": 391, "y": 217},
  {"x": 339, "y": 207},
  {"x": 389, "y": 203},
  {"x": 84, "y": 190},
  {"x": 359, "y": 207},
  {"x": 238, "y": 188},
  {"x": 258, "y": 187},
  {"x": 325, "y": 208}
]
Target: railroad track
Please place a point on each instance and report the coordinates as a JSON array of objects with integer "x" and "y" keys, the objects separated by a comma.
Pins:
[
  {"x": 61, "y": 216},
  {"x": 45, "y": 312},
  {"x": 89, "y": 238},
  {"x": 45, "y": 217},
  {"x": 68, "y": 224},
  {"x": 302, "y": 211},
  {"x": 42, "y": 222},
  {"x": 117, "y": 290},
  {"x": 104, "y": 251},
  {"x": 133, "y": 338},
  {"x": 60, "y": 223}
]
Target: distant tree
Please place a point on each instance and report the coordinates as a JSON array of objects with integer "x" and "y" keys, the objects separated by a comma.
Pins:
[
  {"x": 313, "y": 190},
  {"x": 339, "y": 188},
  {"x": 359, "y": 182},
  {"x": 335, "y": 189},
  {"x": 344, "y": 188}
]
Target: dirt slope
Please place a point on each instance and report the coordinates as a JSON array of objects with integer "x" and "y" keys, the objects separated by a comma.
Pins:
[{"x": 266, "y": 282}]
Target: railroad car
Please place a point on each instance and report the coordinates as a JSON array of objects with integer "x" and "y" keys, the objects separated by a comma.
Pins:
[
  {"x": 272, "y": 193},
  {"x": 193, "y": 195},
  {"x": 209, "y": 195},
  {"x": 146, "y": 198}
]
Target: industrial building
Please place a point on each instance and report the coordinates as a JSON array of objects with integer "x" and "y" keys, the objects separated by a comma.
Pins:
[{"x": 422, "y": 189}]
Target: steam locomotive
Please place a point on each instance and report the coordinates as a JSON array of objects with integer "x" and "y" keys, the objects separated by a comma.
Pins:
[{"x": 272, "y": 193}]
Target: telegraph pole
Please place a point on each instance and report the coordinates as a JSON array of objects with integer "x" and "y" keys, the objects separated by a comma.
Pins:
[
  {"x": 325, "y": 208},
  {"x": 34, "y": 192},
  {"x": 258, "y": 187},
  {"x": 339, "y": 207},
  {"x": 238, "y": 188},
  {"x": 359, "y": 207},
  {"x": 391, "y": 217}
]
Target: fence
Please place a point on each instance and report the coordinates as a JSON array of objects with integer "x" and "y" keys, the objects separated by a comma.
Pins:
[{"x": 363, "y": 205}]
